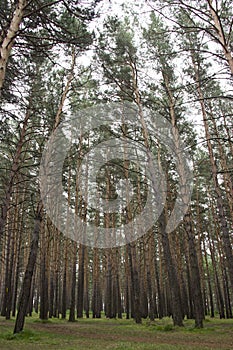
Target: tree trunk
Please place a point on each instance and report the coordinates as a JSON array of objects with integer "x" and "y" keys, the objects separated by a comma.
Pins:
[
  {"x": 195, "y": 274},
  {"x": 27, "y": 282},
  {"x": 80, "y": 296},
  {"x": 73, "y": 285},
  {"x": 209, "y": 282},
  {"x": 221, "y": 35},
  {"x": 135, "y": 286},
  {"x": 9, "y": 39},
  {"x": 177, "y": 312}
]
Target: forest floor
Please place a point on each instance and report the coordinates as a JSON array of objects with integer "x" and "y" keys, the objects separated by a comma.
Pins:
[{"x": 101, "y": 334}]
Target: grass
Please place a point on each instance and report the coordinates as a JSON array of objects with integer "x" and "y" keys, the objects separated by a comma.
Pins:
[{"x": 116, "y": 334}]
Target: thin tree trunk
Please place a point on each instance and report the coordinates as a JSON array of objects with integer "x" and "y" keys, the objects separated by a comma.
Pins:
[
  {"x": 73, "y": 285},
  {"x": 225, "y": 43},
  {"x": 86, "y": 285},
  {"x": 96, "y": 297},
  {"x": 80, "y": 296},
  {"x": 209, "y": 282},
  {"x": 44, "y": 276},
  {"x": 220, "y": 301}
]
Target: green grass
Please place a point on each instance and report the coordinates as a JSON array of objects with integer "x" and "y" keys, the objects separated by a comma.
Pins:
[{"x": 116, "y": 334}]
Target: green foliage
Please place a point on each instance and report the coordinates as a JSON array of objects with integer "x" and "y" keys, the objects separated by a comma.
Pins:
[
  {"x": 168, "y": 328},
  {"x": 25, "y": 336},
  {"x": 117, "y": 53}
]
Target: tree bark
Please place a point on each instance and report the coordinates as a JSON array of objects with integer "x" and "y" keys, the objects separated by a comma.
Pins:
[
  {"x": 177, "y": 312},
  {"x": 9, "y": 39},
  {"x": 221, "y": 35},
  {"x": 73, "y": 285},
  {"x": 80, "y": 296},
  {"x": 27, "y": 282},
  {"x": 195, "y": 274}
]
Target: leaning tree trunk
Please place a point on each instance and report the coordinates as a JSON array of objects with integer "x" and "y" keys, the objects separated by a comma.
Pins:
[
  {"x": 27, "y": 282},
  {"x": 8, "y": 40},
  {"x": 224, "y": 42}
]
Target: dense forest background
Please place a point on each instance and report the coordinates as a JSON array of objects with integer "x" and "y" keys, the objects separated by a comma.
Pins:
[{"x": 174, "y": 58}]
